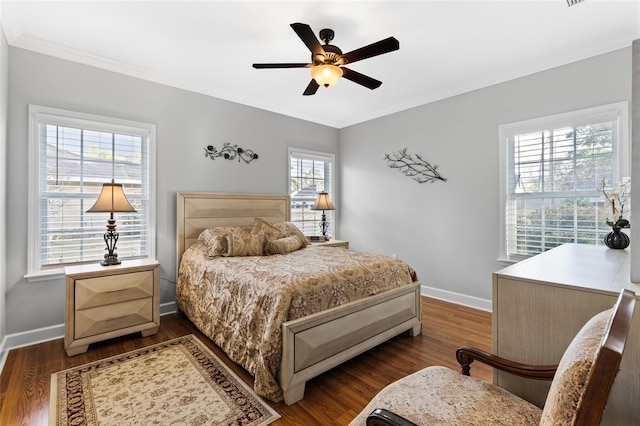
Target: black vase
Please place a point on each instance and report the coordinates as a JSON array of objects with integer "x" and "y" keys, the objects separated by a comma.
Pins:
[{"x": 616, "y": 239}]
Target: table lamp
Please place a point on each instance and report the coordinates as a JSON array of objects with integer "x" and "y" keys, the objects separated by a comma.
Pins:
[
  {"x": 323, "y": 202},
  {"x": 111, "y": 200}
]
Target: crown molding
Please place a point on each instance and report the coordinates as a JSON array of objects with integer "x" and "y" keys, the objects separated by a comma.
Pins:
[{"x": 86, "y": 58}]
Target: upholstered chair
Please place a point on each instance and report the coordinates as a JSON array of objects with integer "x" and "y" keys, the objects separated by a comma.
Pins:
[{"x": 581, "y": 383}]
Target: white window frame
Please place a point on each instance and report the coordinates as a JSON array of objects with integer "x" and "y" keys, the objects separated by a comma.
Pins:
[
  {"x": 319, "y": 156},
  {"x": 40, "y": 114},
  {"x": 610, "y": 112}
]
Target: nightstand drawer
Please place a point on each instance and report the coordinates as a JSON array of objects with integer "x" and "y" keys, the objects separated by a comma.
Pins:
[
  {"x": 106, "y": 318},
  {"x": 107, "y": 302},
  {"x": 105, "y": 290}
]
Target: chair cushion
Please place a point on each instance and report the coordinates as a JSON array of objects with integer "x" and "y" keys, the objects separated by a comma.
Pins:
[
  {"x": 439, "y": 396},
  {"x": 569, "y": 382}
]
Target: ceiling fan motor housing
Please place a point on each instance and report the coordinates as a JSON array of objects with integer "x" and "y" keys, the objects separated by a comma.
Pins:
[{"x": 331, "y": 55}]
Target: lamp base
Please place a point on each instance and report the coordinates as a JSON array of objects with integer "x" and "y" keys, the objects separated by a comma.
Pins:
[
  {"x": 111, "y": 238},
  {"x": 324, "y": 226},
  {"x": 110, "y": 260}
]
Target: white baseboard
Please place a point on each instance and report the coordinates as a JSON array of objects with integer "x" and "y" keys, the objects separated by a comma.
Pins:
[
  {"x": 458, "y": 298},
  {"x": 3, "y": 353},
  {"x": 168, "y": 308},
  {"x": 45, "y": 334}
]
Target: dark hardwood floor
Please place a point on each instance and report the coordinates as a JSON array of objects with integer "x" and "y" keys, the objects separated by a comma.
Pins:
[{"x": 333, "y": 398}]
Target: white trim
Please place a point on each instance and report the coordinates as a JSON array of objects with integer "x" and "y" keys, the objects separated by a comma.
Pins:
[
  {"x": 45, "y": 275},
  {"x": 46, "y": 334},
  {"x": 59, "y": 51},
  {"x": 38, "y": 114},
  {"x": 572, "y": 118},
  {"x": 61, "y": 117},
  {"x": 457, "y": 298},
  {"x": 311, "y": 155},
  {"x": 3, "y": 353}
]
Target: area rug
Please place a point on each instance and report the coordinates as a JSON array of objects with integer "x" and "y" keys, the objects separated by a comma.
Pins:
[{"x": 179, "y": 382}]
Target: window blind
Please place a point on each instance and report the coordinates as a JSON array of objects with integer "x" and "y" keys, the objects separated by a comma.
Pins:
[
  {"x": 551, "y": 180},
  {"x": 74, "y": 159},
  {"x": 310, "y": 174}
]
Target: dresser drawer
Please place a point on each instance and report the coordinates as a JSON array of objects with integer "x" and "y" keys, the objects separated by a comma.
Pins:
[
  {"x": 110, "y": 289},
  {"x": 107, "y": 318}
]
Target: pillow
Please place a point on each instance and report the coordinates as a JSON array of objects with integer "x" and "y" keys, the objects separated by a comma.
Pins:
[
  {"x": 239, "y": 244},
  {"x": 214, "y": 238},
  {"x": 573, "y": 373},
  {"x": 288, "y": 229},
  {"x": 262, "y": 226},
  {"x": 283, "y": 245}
]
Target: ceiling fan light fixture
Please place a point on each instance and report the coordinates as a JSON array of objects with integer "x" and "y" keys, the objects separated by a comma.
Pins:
[{"x": 326, "y": 75}]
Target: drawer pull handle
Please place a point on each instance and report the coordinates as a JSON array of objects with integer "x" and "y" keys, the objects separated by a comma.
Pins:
[
  {"x": 117, "y": 289},
  {"x": 115, "y": 318}
]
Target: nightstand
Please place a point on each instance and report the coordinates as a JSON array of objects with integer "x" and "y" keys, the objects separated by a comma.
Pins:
[
  {"x": 110, "y": 301},
  {"x": 333, "y": 243}
]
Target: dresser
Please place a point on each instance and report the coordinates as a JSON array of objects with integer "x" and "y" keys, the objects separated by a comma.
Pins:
[
  {"x": 103, "y": 302},
  {"x": 541, "y": 303}
]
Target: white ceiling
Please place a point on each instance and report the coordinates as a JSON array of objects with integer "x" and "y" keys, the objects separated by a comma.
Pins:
[{"x": 446, "y": 47}]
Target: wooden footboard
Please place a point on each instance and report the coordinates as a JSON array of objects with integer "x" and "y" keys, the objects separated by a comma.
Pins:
[{"x": 319, "y": 342}]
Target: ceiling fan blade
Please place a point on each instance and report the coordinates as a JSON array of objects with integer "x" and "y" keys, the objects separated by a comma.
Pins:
[
  {"x": 378, "y": 48},
  {"x": 361, "y": 79},
  {"x": 312, "y": 88},
  {"x": 305, "y": 33},
  {"x": 285, "y": 65}
]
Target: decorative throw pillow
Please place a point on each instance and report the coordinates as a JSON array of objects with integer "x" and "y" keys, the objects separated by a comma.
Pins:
[
  {"x": 283, "y": 245},
  {"x": 243, "y": 245},
  {"x": 214, "y": 238},
  {"x": 573, "y": 373},
  {"x": 262, "y": 226},
  {"x": 288, "y": 229}
]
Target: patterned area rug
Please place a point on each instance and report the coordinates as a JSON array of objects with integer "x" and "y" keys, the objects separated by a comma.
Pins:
[{"x": 176, "y": 382}]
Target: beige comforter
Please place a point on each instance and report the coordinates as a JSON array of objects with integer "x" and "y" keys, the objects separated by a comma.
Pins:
[{"x": 242, "y": 302}]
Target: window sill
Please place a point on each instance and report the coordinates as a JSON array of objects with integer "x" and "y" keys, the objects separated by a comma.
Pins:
[
  {"x": 507, "y": 262},
  {"x": 47, "y": 275}
]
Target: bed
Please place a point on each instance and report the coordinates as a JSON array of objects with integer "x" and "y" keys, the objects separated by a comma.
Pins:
[{"x": 306, "y": 346}]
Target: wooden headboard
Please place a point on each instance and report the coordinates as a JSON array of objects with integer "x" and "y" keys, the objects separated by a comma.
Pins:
[{"x": 197, "y": 211}]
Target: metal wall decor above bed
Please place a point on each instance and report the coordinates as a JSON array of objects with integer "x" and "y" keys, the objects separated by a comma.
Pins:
[
  {"x": 230, "y": 152},
  {"x": 414, "y": 166}
]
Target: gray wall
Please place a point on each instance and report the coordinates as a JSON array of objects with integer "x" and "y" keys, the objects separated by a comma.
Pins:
[
  {"x": 449, "y": 232},
  {"x": 4, "y": 73},
  {"x": 185, "y": 122}
]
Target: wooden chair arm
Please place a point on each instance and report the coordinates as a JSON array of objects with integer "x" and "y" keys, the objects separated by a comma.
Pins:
[{"x": 466, "y": 355}]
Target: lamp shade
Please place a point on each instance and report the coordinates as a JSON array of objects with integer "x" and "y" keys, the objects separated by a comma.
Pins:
[
  {"x": 111, "y": 199},
  {"x": 326, "y": 75},
  {"x": 323, "y": 202}
]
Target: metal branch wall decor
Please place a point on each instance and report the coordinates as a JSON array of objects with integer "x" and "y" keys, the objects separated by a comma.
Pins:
[
  {"x": 413, "y": 166},
  {"x": 229, "y": 152}
]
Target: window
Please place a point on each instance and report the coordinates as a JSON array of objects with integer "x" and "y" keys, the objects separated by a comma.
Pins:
[
  {"x": 71, "y": 156},
  {"x": 550, "y": 169},
  {"x": 310, "y": 173}
]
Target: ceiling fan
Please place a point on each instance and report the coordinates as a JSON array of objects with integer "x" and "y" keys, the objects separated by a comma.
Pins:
[{"x": 327, "y": 62}]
